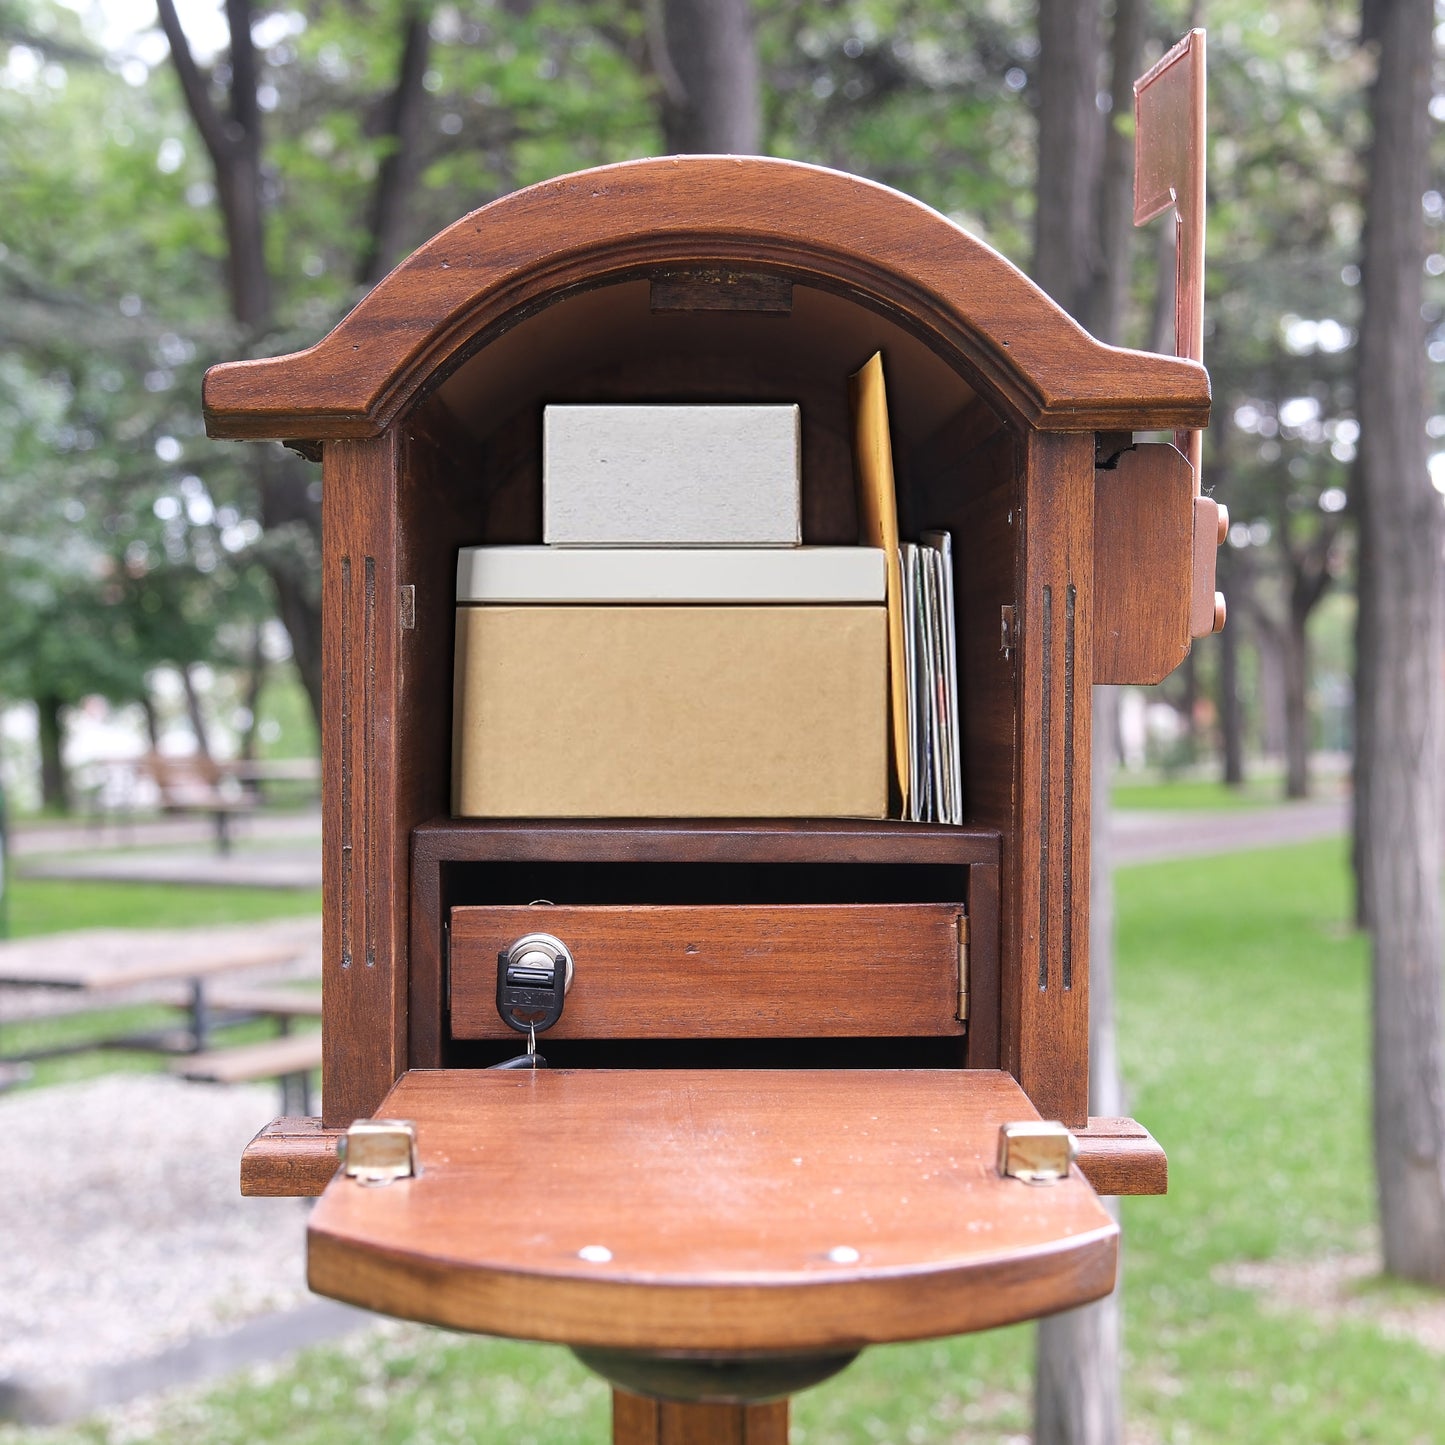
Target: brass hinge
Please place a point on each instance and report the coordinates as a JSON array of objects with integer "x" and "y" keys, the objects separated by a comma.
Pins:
[{"x": 963, "y": 968}]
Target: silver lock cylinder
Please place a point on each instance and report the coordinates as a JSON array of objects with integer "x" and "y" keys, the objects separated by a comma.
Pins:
[{"x": 539, "y": 954}]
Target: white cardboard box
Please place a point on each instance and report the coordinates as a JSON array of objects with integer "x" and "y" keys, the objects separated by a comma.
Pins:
[
  {"x": 671, "y": 475},
  {"x": 670, "y": 574}
]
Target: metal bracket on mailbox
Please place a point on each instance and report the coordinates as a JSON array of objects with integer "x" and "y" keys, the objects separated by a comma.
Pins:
[
  {"x": 1038, "y": 1152},
  {"x": 378, "y": 1151}
]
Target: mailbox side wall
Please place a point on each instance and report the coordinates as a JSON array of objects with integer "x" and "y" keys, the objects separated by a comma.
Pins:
[
  {"x": 364, "y": 850},
  {"x": 1046, "y": 953}
]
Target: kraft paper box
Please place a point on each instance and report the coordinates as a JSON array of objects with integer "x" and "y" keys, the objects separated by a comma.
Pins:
[{"x": 664, "y": 711}]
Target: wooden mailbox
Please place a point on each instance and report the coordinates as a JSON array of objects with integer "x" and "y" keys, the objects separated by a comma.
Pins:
[{"x": 872, "y": 999}]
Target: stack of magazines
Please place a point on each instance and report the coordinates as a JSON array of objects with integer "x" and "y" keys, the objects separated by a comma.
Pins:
[{"x": 935, "y": 784}]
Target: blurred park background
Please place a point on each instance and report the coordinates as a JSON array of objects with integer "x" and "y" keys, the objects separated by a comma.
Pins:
[{"x": 203, "y": 181}]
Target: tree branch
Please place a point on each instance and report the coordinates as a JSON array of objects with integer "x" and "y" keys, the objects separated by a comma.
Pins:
[
  {"x": 194, "y": 87},
  {"x": 402, "y": 124}
]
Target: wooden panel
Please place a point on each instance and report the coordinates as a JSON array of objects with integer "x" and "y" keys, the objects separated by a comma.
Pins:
[
  {"x": 436, "y": 511},
  {"x": 1143, "y": 557},
  {"x": 1118, "y": 1156},
  {"x": 1045, "y": 987},
  {"x": 1211, "y": 525},
  {"x": 636, "y": 1421},
  {"x": 290, "y": 1157},
  {"x": 298, "y": 1157},
  {"x": 821, "y": 226},
  {"x": 775, "y": 1211},
  {"x": 800, "y": 840},
  {"x": 364, "y": 862},
  {"x": 984, "y": 964},
  {"x": 805, "y": 970}
]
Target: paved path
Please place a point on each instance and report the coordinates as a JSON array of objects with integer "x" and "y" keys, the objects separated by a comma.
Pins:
[
  {"x": 1147, "y": 837},
  {"x": 285, "y": 851},
  {"x": 271, "y": 850}
]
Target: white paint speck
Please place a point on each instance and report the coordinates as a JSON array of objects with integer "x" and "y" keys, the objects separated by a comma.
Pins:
[
  {"x": 595, "y": 1253},
  {"x": 843, "y": 1254}
]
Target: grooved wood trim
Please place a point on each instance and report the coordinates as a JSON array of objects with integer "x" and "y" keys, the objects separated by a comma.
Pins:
[
  {"x": 296, "y": 1156},
  {"x": 1046, "y": 1002},
  {"x": 853, "y": 970},
  {"x": 818, "y": 226},
  {"x": 1144, "y": 550},
  {"x": 364, "y": 861},
  {"x": 291, "y": 1157},
  {"x": 637, "y": 1421},
  {"x": 1119, "y": 1156}
]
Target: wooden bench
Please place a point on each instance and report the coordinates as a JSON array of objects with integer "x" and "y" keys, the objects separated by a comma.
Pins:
[
  {"x": 198, "y": 784},
  {"x": 292, "y": 1058}
]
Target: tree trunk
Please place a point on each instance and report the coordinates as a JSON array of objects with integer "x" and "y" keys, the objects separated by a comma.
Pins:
[
  {"x": 1231, "y": 714},
  {"x": 708, "y": 62},
  {"x": 1081, "y": 258},
  {"x": 195, "y": 712},
  {"x": 1070, "y": 145},
  {"x": 1402, "y": 645},
  {"x": 54, "y": 780},
  {"x": 405, "y": 112},
  {"x": 291, "y": 518},
  {"x": 1294, "y": 654},
  {"x": 256, "y": 669}
]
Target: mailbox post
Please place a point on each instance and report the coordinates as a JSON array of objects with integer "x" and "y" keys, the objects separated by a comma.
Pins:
[{"x": 773, "y": 1131}]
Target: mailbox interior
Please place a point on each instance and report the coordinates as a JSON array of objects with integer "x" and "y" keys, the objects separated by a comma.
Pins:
[
  {"x": 477, "y": 440},
  {"x": 713, "y": 280}
]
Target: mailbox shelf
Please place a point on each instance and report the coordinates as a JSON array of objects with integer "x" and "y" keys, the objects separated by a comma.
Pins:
[
  {"x": 838, "y": 902},
  {"x": 738, "y": 1213}
]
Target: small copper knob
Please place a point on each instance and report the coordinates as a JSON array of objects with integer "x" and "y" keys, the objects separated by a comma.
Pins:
[{"x": 1219, "y": 611}]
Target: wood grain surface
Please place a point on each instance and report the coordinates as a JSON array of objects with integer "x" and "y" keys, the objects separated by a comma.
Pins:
[
  {"x": 826, "y": 227},
  {"x": 291, "y": 1157},
  {"x": 637, "y": 1421},
  {"x": 802, "y": 970},
  {"x": 1143, "y": 560},
  {"x": 712, "y": 1210}
]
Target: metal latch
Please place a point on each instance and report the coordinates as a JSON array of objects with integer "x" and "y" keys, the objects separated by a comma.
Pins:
[
  {"x": 378, "y": 1151},
  {"x": 963, "y": 968},
  {"x": 1037, "y": 1151}
]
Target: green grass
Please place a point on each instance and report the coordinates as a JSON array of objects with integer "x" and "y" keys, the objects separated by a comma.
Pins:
[
  {"x": 1195, "y": 794},
  {"x": 43, "y": 905},
  {"x": 1243, "y": 1022}
]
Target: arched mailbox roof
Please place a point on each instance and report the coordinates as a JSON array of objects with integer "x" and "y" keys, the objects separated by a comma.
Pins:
[{"x": 824, "y": 227}]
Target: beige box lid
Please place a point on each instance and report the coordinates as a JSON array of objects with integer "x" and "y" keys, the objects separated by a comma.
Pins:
[{"x": 670, "y": 712}]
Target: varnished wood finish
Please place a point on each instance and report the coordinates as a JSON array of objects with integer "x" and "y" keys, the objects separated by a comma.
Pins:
[
  {"x": 719, "y": 1195},
  {"x": 1118, "y": 1156},
  {"x": 705, "y": 840},
  {"x": 983, "y": 966},
  {"x": 363, "y": 845},
  {"x": 290, "y": 1157},
  {"x": 834, "y": 229},
  {"x": 1143, "y": 559},
  {"x": 298, "y": 1157},
  {"x": 445, "y": 843},
  {"x": 1203, "y": 611},
  {"x": 1045, "y": 995},
  {"x": 636, "y": 1421},
  {"x": 801, "y": 970}
]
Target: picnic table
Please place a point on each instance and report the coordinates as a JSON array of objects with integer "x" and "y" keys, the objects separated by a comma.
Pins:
[{"x": 101, "y": 960}]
